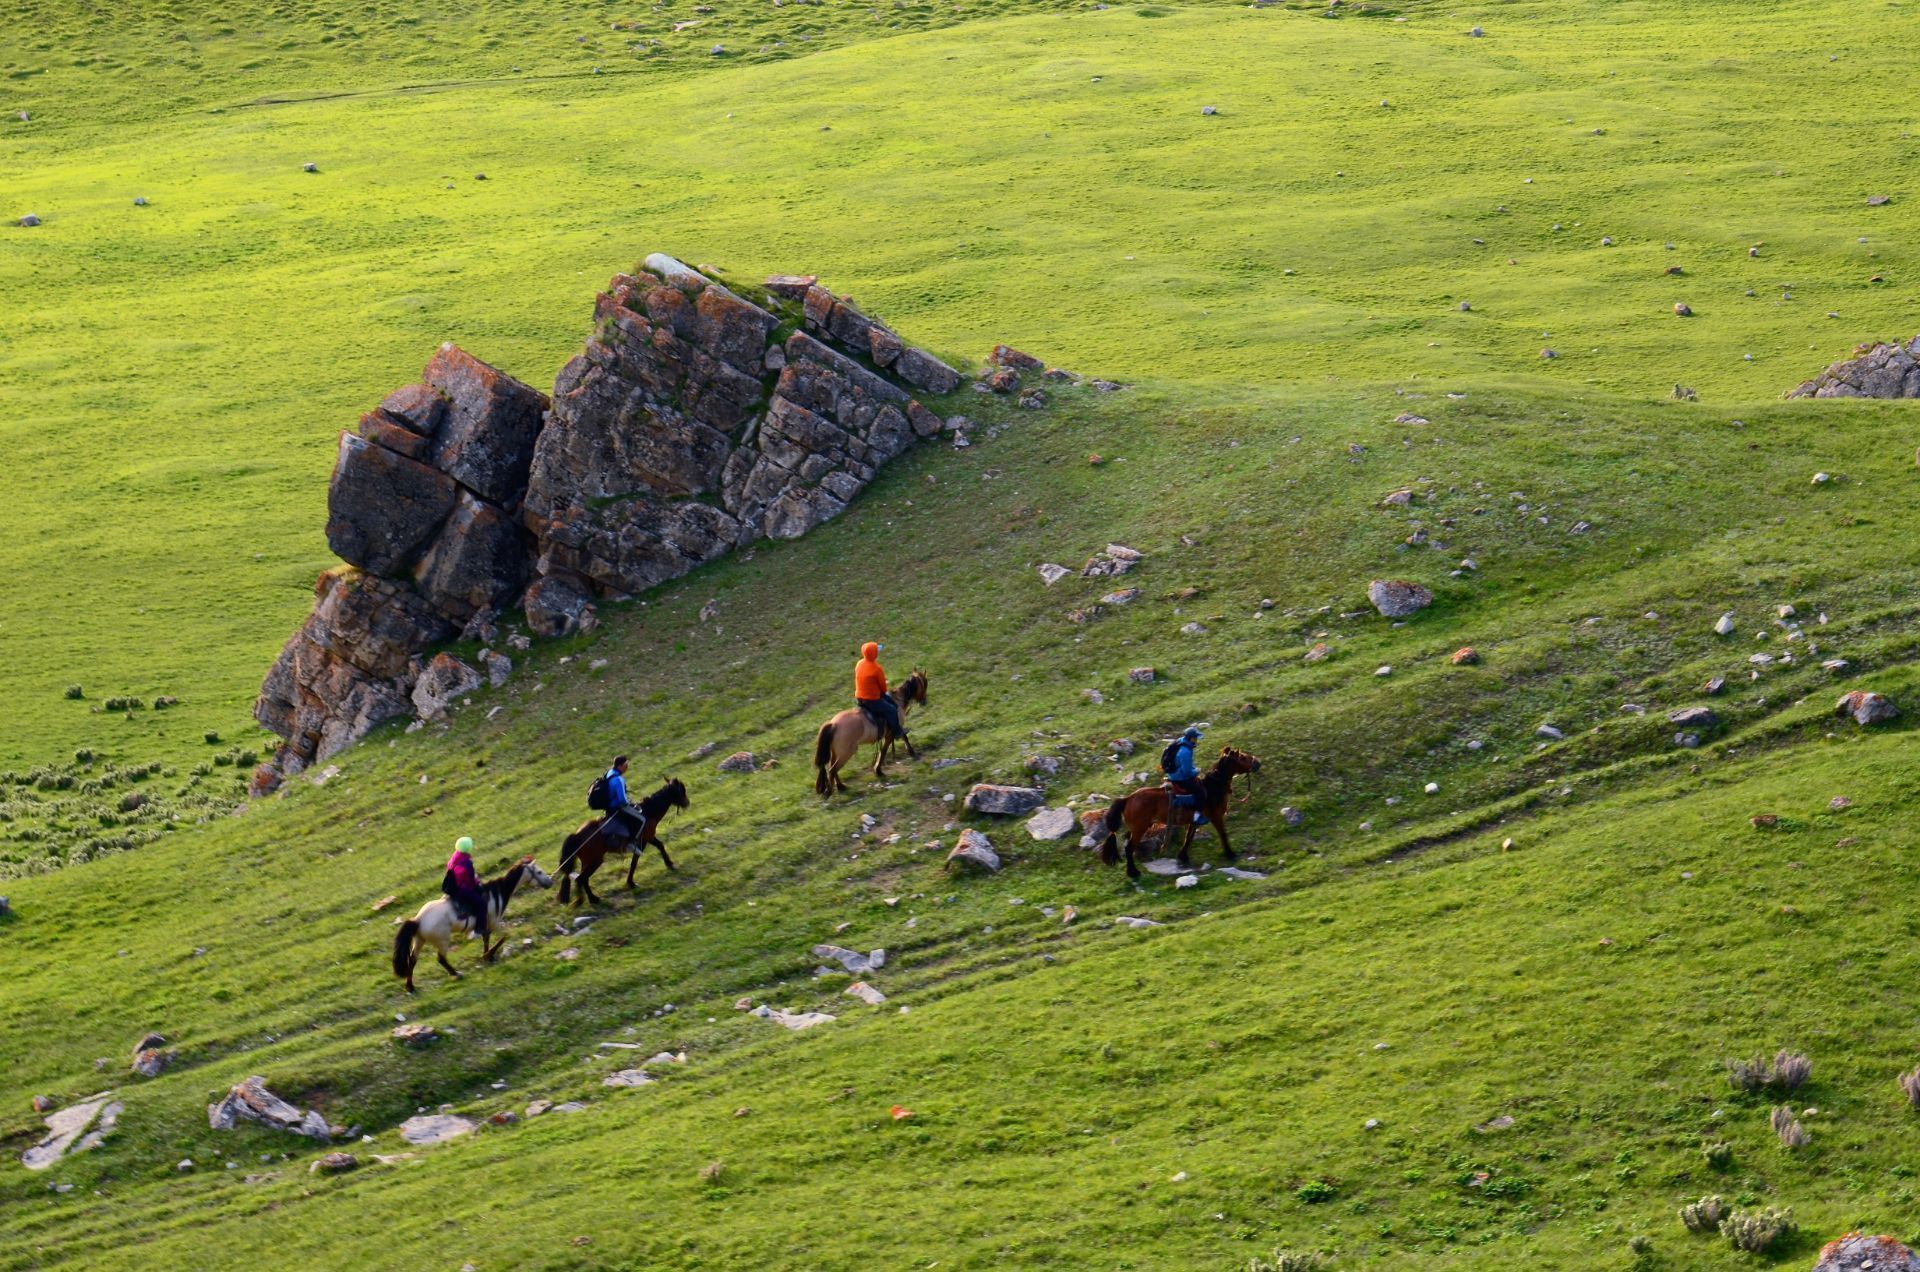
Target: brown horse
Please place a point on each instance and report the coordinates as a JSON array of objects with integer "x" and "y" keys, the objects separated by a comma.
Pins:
[
  {"x": 847, "y": 732},
  {"x": 1152, "y": 805},
  {"x": 587, "y": 847}
]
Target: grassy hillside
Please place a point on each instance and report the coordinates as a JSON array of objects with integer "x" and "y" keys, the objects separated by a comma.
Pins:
[
  {"x": 1083, "y": 1094},
  {"x": 1582, "y": 983}
]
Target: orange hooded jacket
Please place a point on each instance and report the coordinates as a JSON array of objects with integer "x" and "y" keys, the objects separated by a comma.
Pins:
[{"x": 869, "y": 677}]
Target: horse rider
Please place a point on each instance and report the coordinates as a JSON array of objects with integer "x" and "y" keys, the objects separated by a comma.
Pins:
[
  {"x": 623, "y": 820},
  {"x": 870, "y": 692},
  {"x": 1183, "y": 775},
  {"x": 462, "y": 886}
]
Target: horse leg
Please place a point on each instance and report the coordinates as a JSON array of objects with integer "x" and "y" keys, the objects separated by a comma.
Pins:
[
  {"x": 634, "y": 861},
  {"x": 1186, "y": 839},
  {"x": 663, "y": 853},
  {"x": 1133, "y": 833},
  {"x": 586, "y": 887},
  {"x": 440, "y": 952},
  {"x": 1219, "y": 821},
  {"x": 413, "y": 957}
]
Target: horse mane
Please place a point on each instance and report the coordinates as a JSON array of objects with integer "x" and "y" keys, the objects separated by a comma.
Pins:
[
  {"x": 503, "y": 886},
  {"x": 674, "y": 793},
  {"x": 912, "y": 689}
]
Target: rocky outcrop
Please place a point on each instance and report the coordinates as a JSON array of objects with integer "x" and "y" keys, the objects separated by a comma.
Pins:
[
  {"x": 250, "y": 1101},
  {"x": 1857, "y": 1252},
  {"x": 1875, "y": 371},
  {"x": 74, "y": 1130},
  {"x": 695, "y": 421}
]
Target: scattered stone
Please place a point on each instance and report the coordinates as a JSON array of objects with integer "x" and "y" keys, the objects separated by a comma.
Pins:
[
  {"x": 1141, "y": 675},
  {"x": 974, "y": 849},
  {"x": 793, "y": 1020},
  {"x": 1319, "y": 653},
  {"x": 505, "y": 1117},
  {"x": 74, "y": 1129},
  {"x": 1550, "y": 733},
  {"x": 1866, "y": 708},
  {"x": 1693, "y": 718},
  {"x": 852, "y": 960},
  {"x": 1187, "y": 881},
  {"x": 1046, "y": 764},
  {"x": 435, "y": 1128},
  {"x": 739, "y": 762},
  {"x": 309, "y": 167},
  {"x": 1051, "y": 573},
  {"x": 1714, "y": 687},
  {"x": 1125, "y": 596},
  {"x": 1004, "y": 801},
  {"x": 250, "y": 1101},
  {"x": 1501, "y": 1123},
  {"x": 335, "y": 1163},
  {"x": 865, "y": 993},
  {"x": 1209, "y": 110},
  {"x": 1193, "y": 629},
  {"x": 1465, "y": 656},
  {"x": 1128, "y": 921},
  {"x": 627, "y": 1078},
  {"x": 1682, "y": 309},
  {"x": 1292, "y": 816},
  {"x": 1725, "y": 625},
  {"x": 1878, "y": 200},
  {"x": 1396, "y": 598},
  {"x": 415, "y": 1035},
  {"x": 1051, "y": 823}
]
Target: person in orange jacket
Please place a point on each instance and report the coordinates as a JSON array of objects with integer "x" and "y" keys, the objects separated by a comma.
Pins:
[{"x": 870, "y": 691}]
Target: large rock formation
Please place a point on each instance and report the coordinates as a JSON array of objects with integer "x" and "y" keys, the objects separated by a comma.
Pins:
[
  {"x": 696, "y": 420},
  {"x": 1874, "y": 371}
]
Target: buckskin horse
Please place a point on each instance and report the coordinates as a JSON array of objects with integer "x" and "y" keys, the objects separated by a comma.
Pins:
[
  {"x": 587, "y": 847},
  {"x": 1150, "y": 805},
  {"x": 847, "y": 732},
  {"x": 438, "y": 921}
]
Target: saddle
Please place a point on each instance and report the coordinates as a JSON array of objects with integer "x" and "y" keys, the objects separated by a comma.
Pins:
[{"x": 874, "y": 718}]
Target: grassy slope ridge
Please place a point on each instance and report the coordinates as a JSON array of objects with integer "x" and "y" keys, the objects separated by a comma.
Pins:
[{"x": 1061, "y": 1076}]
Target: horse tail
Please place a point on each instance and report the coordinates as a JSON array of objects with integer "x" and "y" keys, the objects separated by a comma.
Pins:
[
  {"x": 822, "y": 755},
  {"x": 569, "y": 848},
  {"x": 403, "y": 946},
  {"x": 1116, "y": 814}
]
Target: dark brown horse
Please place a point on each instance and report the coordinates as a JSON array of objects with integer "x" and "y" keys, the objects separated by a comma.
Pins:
[
  {"x": 587, "y": 847},
  {"x": 1152, "y": 805},
  {"x": 847, "y": 732}
]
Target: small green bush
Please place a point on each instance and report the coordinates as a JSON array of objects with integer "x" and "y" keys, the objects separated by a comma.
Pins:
[
  {"x": 1315, "y": 1191},
  {"x": 83, "y": 756},
  {"x": 1719, "y": 1154},
  {"x": 213, "y": 738},
  {"x": 75, "y": 691}
]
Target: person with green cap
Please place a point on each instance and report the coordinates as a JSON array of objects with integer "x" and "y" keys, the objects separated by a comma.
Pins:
[{"x": 462, "y": 886}]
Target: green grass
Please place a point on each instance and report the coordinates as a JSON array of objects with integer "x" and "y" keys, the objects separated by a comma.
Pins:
[{"x": 172, "y": 377}]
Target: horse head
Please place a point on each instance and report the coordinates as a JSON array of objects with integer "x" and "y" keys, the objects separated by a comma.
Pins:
[
  {"x": 1235, "y": 762},
  {"x": 676, "y": 792},
  {"x": 914, "y": 691},
  {"x": 541, "y": 879}
]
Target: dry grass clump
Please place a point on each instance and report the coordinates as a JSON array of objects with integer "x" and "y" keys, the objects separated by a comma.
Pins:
[
  {"x": 1788, "y": 1071},
  {"x": 1910, "y": 1083},
  {"x": 1704, "y": 1215},
  {"x": 1291, "y": 1261},
  {"x": 1755, "y": 1231},
  {"x": 1788, "y": 1128}
]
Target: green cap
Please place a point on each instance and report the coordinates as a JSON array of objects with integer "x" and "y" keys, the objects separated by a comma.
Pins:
[{"x": 463, "y": 844}]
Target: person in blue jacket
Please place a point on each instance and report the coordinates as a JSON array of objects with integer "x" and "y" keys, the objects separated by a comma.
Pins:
[{"x": 1183, "y": 775}]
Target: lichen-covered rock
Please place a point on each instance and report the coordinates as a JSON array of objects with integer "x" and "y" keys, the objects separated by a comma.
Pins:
[
  {"x": 1866, "y": 707},
  {"x": 445, "y": 679},
  {"x": 1889, "y": 370},
  {"x": 252, "y": 1102},
  {"x": 1397, "y": 598},
  {"x": 975, "y": 850},
  {"x": 683, "y": 430},
  {"x": 1005, "y": 801},
  {"x": 1857, "y": 1252},
  {"x": 559, "y": 605}
]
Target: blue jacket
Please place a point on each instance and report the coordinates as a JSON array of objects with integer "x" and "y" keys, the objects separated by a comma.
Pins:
[
  {"x": 1183, "y": 766},
  {"x": 616, "y": 792}
]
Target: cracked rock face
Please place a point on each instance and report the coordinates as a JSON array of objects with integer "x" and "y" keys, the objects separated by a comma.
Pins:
[
  {"x": 74, "y": 1129},
  {"x": 695, "y": 421}
]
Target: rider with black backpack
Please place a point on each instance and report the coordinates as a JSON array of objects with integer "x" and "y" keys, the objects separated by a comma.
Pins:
[
  {"x": 608, "y": 794},
  {"x": 1183, "y": 775}
]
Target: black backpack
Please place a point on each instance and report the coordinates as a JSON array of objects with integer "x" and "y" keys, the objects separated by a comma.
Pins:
[
  {"x": 1170, "y": 758},
  {"x": 597, "y": 797}
]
